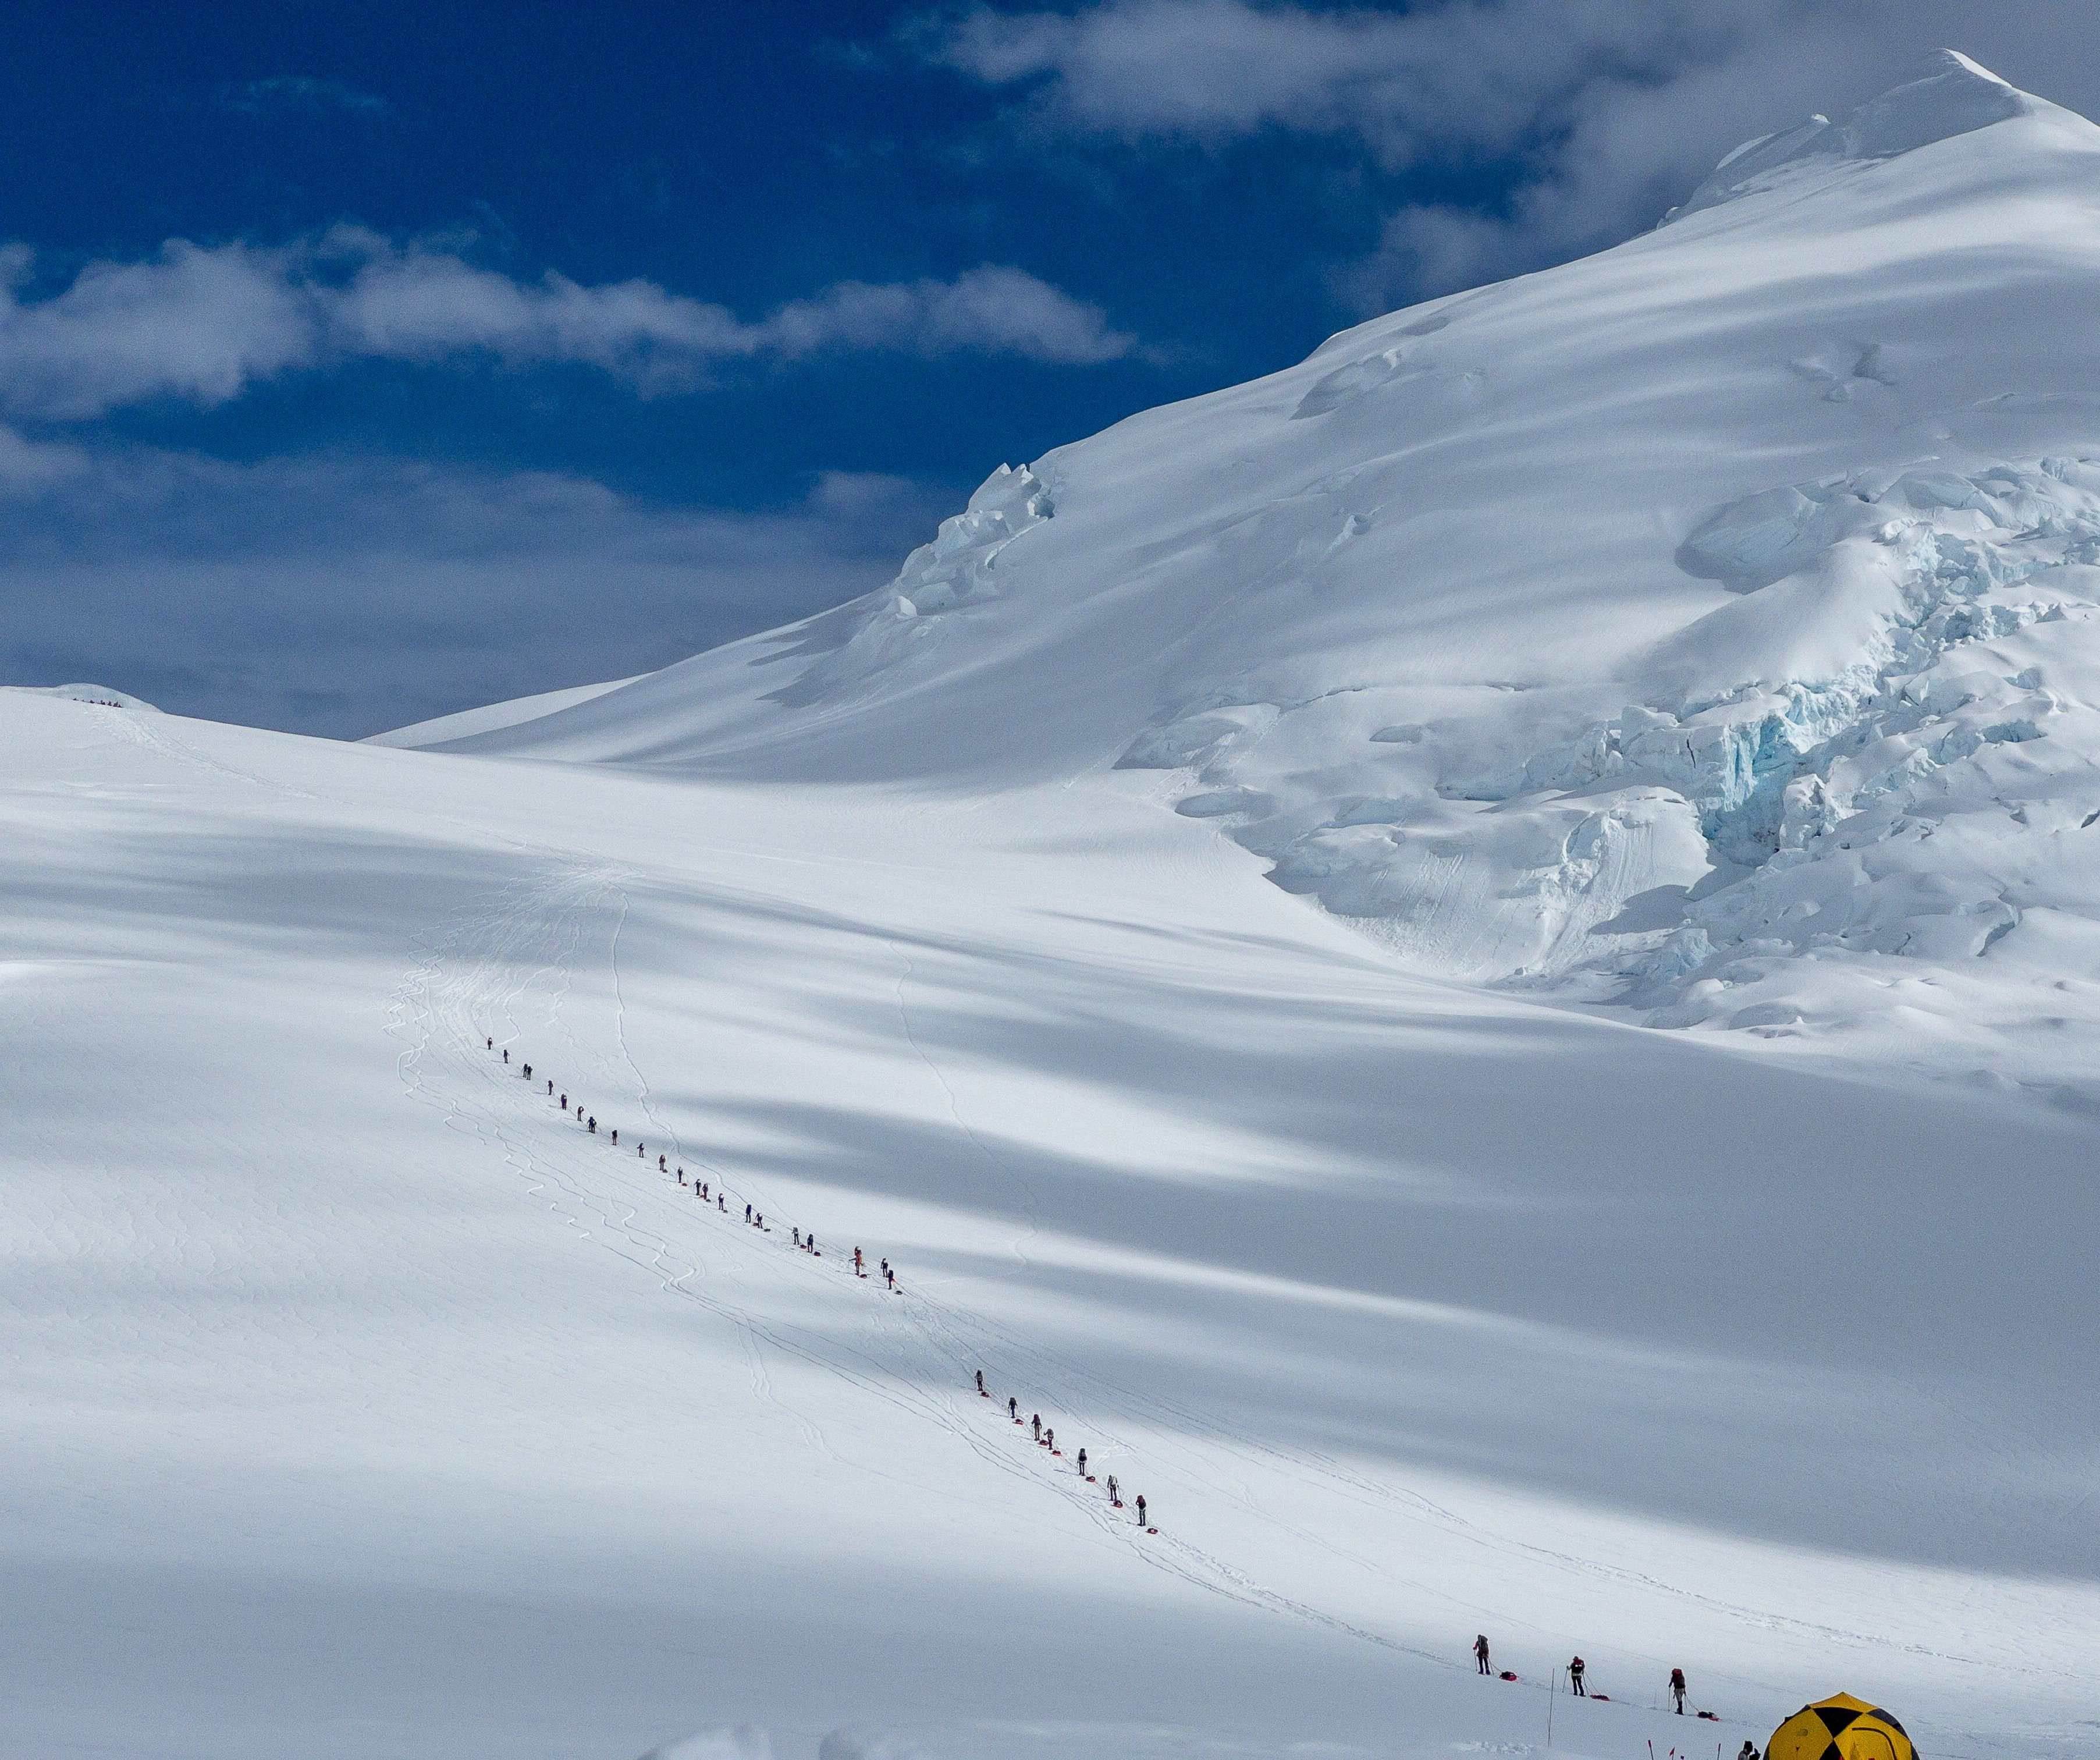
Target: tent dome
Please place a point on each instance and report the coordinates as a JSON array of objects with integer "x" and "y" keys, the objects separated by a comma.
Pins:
[{"x": 1840, "y": 1728}]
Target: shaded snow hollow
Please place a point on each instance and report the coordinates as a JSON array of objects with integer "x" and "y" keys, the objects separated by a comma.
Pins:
[{"x": 1691, "y": 629}]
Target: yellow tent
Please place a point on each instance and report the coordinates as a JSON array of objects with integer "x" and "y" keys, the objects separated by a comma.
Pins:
[{"x": 1840, "y": 1728}]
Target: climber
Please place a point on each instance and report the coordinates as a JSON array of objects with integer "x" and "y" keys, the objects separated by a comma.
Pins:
[
  {"x": 1141, "y": 1521},
  {"x": 1013, "y": 1409},
  {"x": 1115, "y": 1496},
  {"x": 1082, "y": 1463},
  {"x": 1677, "y": 1689},
  {"x": 1035, "y": 1425},
  {"x": 528, "y": 1072},
  {"x": 1481, "y": 1652},
  {"x": 593, "y": 1124},
  {"x": 981, "y": 1385},
  {"x": 1575, "y": 1678}
]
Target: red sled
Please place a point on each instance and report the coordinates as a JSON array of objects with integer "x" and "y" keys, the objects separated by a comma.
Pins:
[
  {"x": 1090, "y": 1479},
  {"x": 1507, "y": 1676},
  {"x": 1060, "y": 1454},
  {"x": 1711, "y": 1717},
  {"x": 1605, "y": 1697},
  {"x": 1152, "y": 1530}
]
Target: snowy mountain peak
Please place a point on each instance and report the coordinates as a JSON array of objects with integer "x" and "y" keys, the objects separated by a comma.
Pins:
[
  {"x": 1693, "y": 628},
  {"x": 1949, "y": 95}
]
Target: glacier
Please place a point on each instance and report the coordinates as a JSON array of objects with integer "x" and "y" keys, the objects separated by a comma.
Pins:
[{"x": 1475, "y": 962}]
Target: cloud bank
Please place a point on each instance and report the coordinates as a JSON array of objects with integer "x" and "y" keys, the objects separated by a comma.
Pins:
[
  {"x": 344, "y": 596},
  {"x": 1600, "y": 114},
  {"x": 202, "y": 324}
]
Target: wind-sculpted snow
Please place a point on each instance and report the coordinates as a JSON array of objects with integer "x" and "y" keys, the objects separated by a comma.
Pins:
[{"x": 1954, "y": 96}]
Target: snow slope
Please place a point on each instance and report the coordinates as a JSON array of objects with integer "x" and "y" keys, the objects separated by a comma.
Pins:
[
  {"x": 1690, "y": 628},
  {"x": 443, "y": 729},
  {"x": 359, "y": 1403}
]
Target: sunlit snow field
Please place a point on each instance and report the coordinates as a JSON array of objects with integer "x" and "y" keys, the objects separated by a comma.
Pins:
[
  {"x": 1474, "y": 964},
  {"x": 358, "y": 1396}
]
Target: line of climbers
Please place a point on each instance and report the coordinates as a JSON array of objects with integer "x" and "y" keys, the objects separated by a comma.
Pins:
[
  {"x": 1047, "y": 1438},
  {"x": 705, "y": 1191},
  {"x": 1578, "y": 1686}
]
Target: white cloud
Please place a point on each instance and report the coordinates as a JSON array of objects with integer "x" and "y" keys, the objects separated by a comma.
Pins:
[
  {"x": 202, "y": 324},
  {"x": 1404, "y": 83},
  {"x": 1610, "y": 112}
]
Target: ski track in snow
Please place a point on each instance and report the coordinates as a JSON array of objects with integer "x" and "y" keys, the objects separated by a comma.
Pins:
[{"x": 474, "y": 978}]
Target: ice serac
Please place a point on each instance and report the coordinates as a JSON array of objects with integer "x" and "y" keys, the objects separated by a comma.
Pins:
[{"x": 1699, "y": 627}]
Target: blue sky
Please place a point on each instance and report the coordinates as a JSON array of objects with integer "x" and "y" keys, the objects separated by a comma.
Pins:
[{"x": 359, "y": 362}]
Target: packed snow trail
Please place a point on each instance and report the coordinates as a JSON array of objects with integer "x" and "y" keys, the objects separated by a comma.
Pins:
[
  {"x": 1419, "y": 1307},
  {"x": 510, "y": 939}
]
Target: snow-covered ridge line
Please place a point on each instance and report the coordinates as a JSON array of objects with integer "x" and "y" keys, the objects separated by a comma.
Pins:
[{"x": 1951, "y": 95}]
